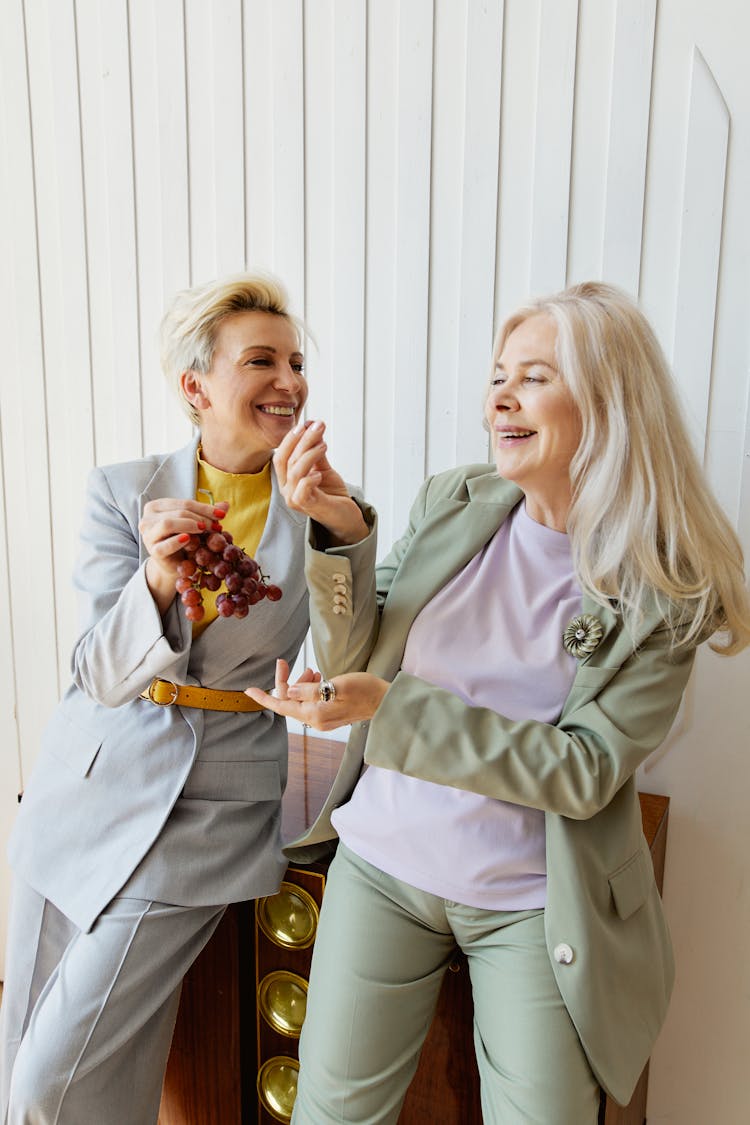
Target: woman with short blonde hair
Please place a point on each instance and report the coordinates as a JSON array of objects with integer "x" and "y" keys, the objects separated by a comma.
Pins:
[
  {"x": 189, "y": 326},
  {"x": 156, "y": 797}
]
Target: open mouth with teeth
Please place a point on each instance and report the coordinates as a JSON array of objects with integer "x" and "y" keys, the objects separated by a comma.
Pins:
[
  {"x": 515, "y": 435},
  {"x": 281, "y": 411}
]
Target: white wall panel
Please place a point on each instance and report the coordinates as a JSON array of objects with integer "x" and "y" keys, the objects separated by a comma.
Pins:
[
  {"x": 275, "y": 142},
  {"x": 700, "y": 245},
  {"x": 412, "y": 169},
  {"x": 382, "y": 467},
  {"x": 744, "y": 505},
  {"x": 162, "y": 191},
  {"x": 320, "y": 212},
  {"x": 413, "y": 77},
  {"x": 10, "y": 769},
  {"x": 213, "y": 45},
  {"x": 347, "y": 203},
  {"x": 553, "y": 136},
  {"x": 10, "y": 761},
  {"x": 34, "y": 197},
  {"x": 594, "y": 80},
  {"x": 478, "y": 230},
  {"x": 630, "y": 101},
  {"x": 446, "y": 243},
  {"x": 260, "y": 172},
  {"x": 335, "y": 171},
  {"x": 60, "y": 216},
  {"x": 397, "y": 293},
  {"x": 106, "y": 136},
  {"x": 517, "y": 139},
  {"x": 14, "y": 140}
]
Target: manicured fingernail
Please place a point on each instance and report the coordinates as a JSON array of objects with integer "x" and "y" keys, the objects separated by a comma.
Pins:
[
  {"x": 201, "y": 525},
  {"x": 317, "y": 425},
  {"x": 183, "y": 538},
  {"x": 219, "y": 512}
]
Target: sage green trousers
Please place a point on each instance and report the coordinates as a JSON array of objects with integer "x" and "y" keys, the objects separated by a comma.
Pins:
[{"x": 380, "y": 954}]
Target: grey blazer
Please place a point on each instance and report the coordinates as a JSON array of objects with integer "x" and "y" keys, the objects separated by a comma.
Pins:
[
  {"x": 106, "y": 802},
  {"x": 606, "y": 933}
]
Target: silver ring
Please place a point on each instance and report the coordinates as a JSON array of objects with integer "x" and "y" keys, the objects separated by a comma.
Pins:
[{"x": 327, "y": 691}]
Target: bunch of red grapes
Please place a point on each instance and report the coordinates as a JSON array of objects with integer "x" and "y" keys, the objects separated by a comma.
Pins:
[{"x": 212, "y": 558}]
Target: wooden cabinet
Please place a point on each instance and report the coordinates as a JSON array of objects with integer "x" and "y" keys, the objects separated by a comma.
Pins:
[{"x": 223, "y": 1041}]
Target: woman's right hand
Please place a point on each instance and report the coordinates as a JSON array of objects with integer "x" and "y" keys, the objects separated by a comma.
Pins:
[
  {"x": 165, "y": 527},
  {"x": 356, "y": 699},
  {"x": 311, "y": 485}
]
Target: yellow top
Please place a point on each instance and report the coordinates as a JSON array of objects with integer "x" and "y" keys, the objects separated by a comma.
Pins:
[{"x": 249, "y": 497}]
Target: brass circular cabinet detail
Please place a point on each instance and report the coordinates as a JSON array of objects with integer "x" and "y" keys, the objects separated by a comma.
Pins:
[
  {"x": 282, "y": 999},
  {"x": 289, "y": 918},
  {"x": 277, "y": 1086}
]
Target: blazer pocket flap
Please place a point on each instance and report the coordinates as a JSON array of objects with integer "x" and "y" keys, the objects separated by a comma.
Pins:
[
  {"x": 71, "y": 744},
  {"x": 594, "y": 676},
  {"x": 233, "y": 781},
  {"x": 631, "y": 884}
]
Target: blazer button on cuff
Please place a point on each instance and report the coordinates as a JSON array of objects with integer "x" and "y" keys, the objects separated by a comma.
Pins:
[
  {"x": 563, "y": 953},
  {"x": 339, "y": 588},
  {"x": 339, "y": 599},
  {"x": 339, "y": 609},
  {"x": 339, "y": 577}
]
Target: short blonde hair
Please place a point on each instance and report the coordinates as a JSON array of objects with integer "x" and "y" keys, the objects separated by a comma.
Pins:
[
  {"x": 643, "y": 519},
  {"x": 189, "y": 326}
]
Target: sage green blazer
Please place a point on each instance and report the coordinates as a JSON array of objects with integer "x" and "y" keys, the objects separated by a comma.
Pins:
[{"x": 606, "y": 934}]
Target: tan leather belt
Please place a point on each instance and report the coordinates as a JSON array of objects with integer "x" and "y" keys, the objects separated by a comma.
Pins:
[{"x": 165, "y": 693}]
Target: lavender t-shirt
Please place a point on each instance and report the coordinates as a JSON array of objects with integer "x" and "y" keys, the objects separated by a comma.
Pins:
[{"x": 492, "y": 636}]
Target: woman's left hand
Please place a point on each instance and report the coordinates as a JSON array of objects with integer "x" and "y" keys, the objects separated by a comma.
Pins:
[{"x": 358, "y": 696}]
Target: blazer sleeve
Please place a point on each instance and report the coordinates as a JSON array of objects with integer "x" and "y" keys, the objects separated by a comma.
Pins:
[
  {"x": 123, "y": 642},
  {"x": 573, "y": 768},
  {"x": 343, "y": 641}
]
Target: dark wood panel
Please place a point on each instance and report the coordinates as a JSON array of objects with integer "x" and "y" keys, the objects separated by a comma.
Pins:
[
  {"x": 313, "y": 764},
  {"x": 204, "y": 1072}
]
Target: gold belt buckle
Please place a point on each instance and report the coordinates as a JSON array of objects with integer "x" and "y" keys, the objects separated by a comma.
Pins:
[{"x": 163, "y": 702}]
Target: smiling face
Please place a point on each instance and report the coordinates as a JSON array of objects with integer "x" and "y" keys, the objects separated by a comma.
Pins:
[
  {"x": 534, "y": 422},
  {"x": 254, "y": 393}
]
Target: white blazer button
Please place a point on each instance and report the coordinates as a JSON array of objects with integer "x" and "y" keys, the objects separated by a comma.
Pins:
[
  {"x": 339, "y": 599},
  {"x": 339, "y": 577},
  {"x": 563, "y": 954},
  {"x": 339, "y": 588},
  {"x": 339, "y": 609}
]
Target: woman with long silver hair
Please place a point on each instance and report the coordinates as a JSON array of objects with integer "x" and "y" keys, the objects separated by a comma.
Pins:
[{"x": 507, "y": 667}]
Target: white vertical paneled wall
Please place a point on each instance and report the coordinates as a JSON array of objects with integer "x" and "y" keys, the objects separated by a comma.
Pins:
[{"x": 412, "y": 169}]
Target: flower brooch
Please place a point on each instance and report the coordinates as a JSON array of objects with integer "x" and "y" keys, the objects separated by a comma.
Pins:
[{"x": 582, "y": 635}]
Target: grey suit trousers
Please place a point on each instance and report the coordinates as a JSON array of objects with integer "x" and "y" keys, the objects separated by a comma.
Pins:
[{"x": 88, "y": 1017}]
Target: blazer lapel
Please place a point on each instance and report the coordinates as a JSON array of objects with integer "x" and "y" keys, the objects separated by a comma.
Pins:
[
  {"x": 451, "y": 534},
  {"x": 616, "y": 646},
  {"x": 224, "y": 644},
  {"x": 176, "y": 476}
]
